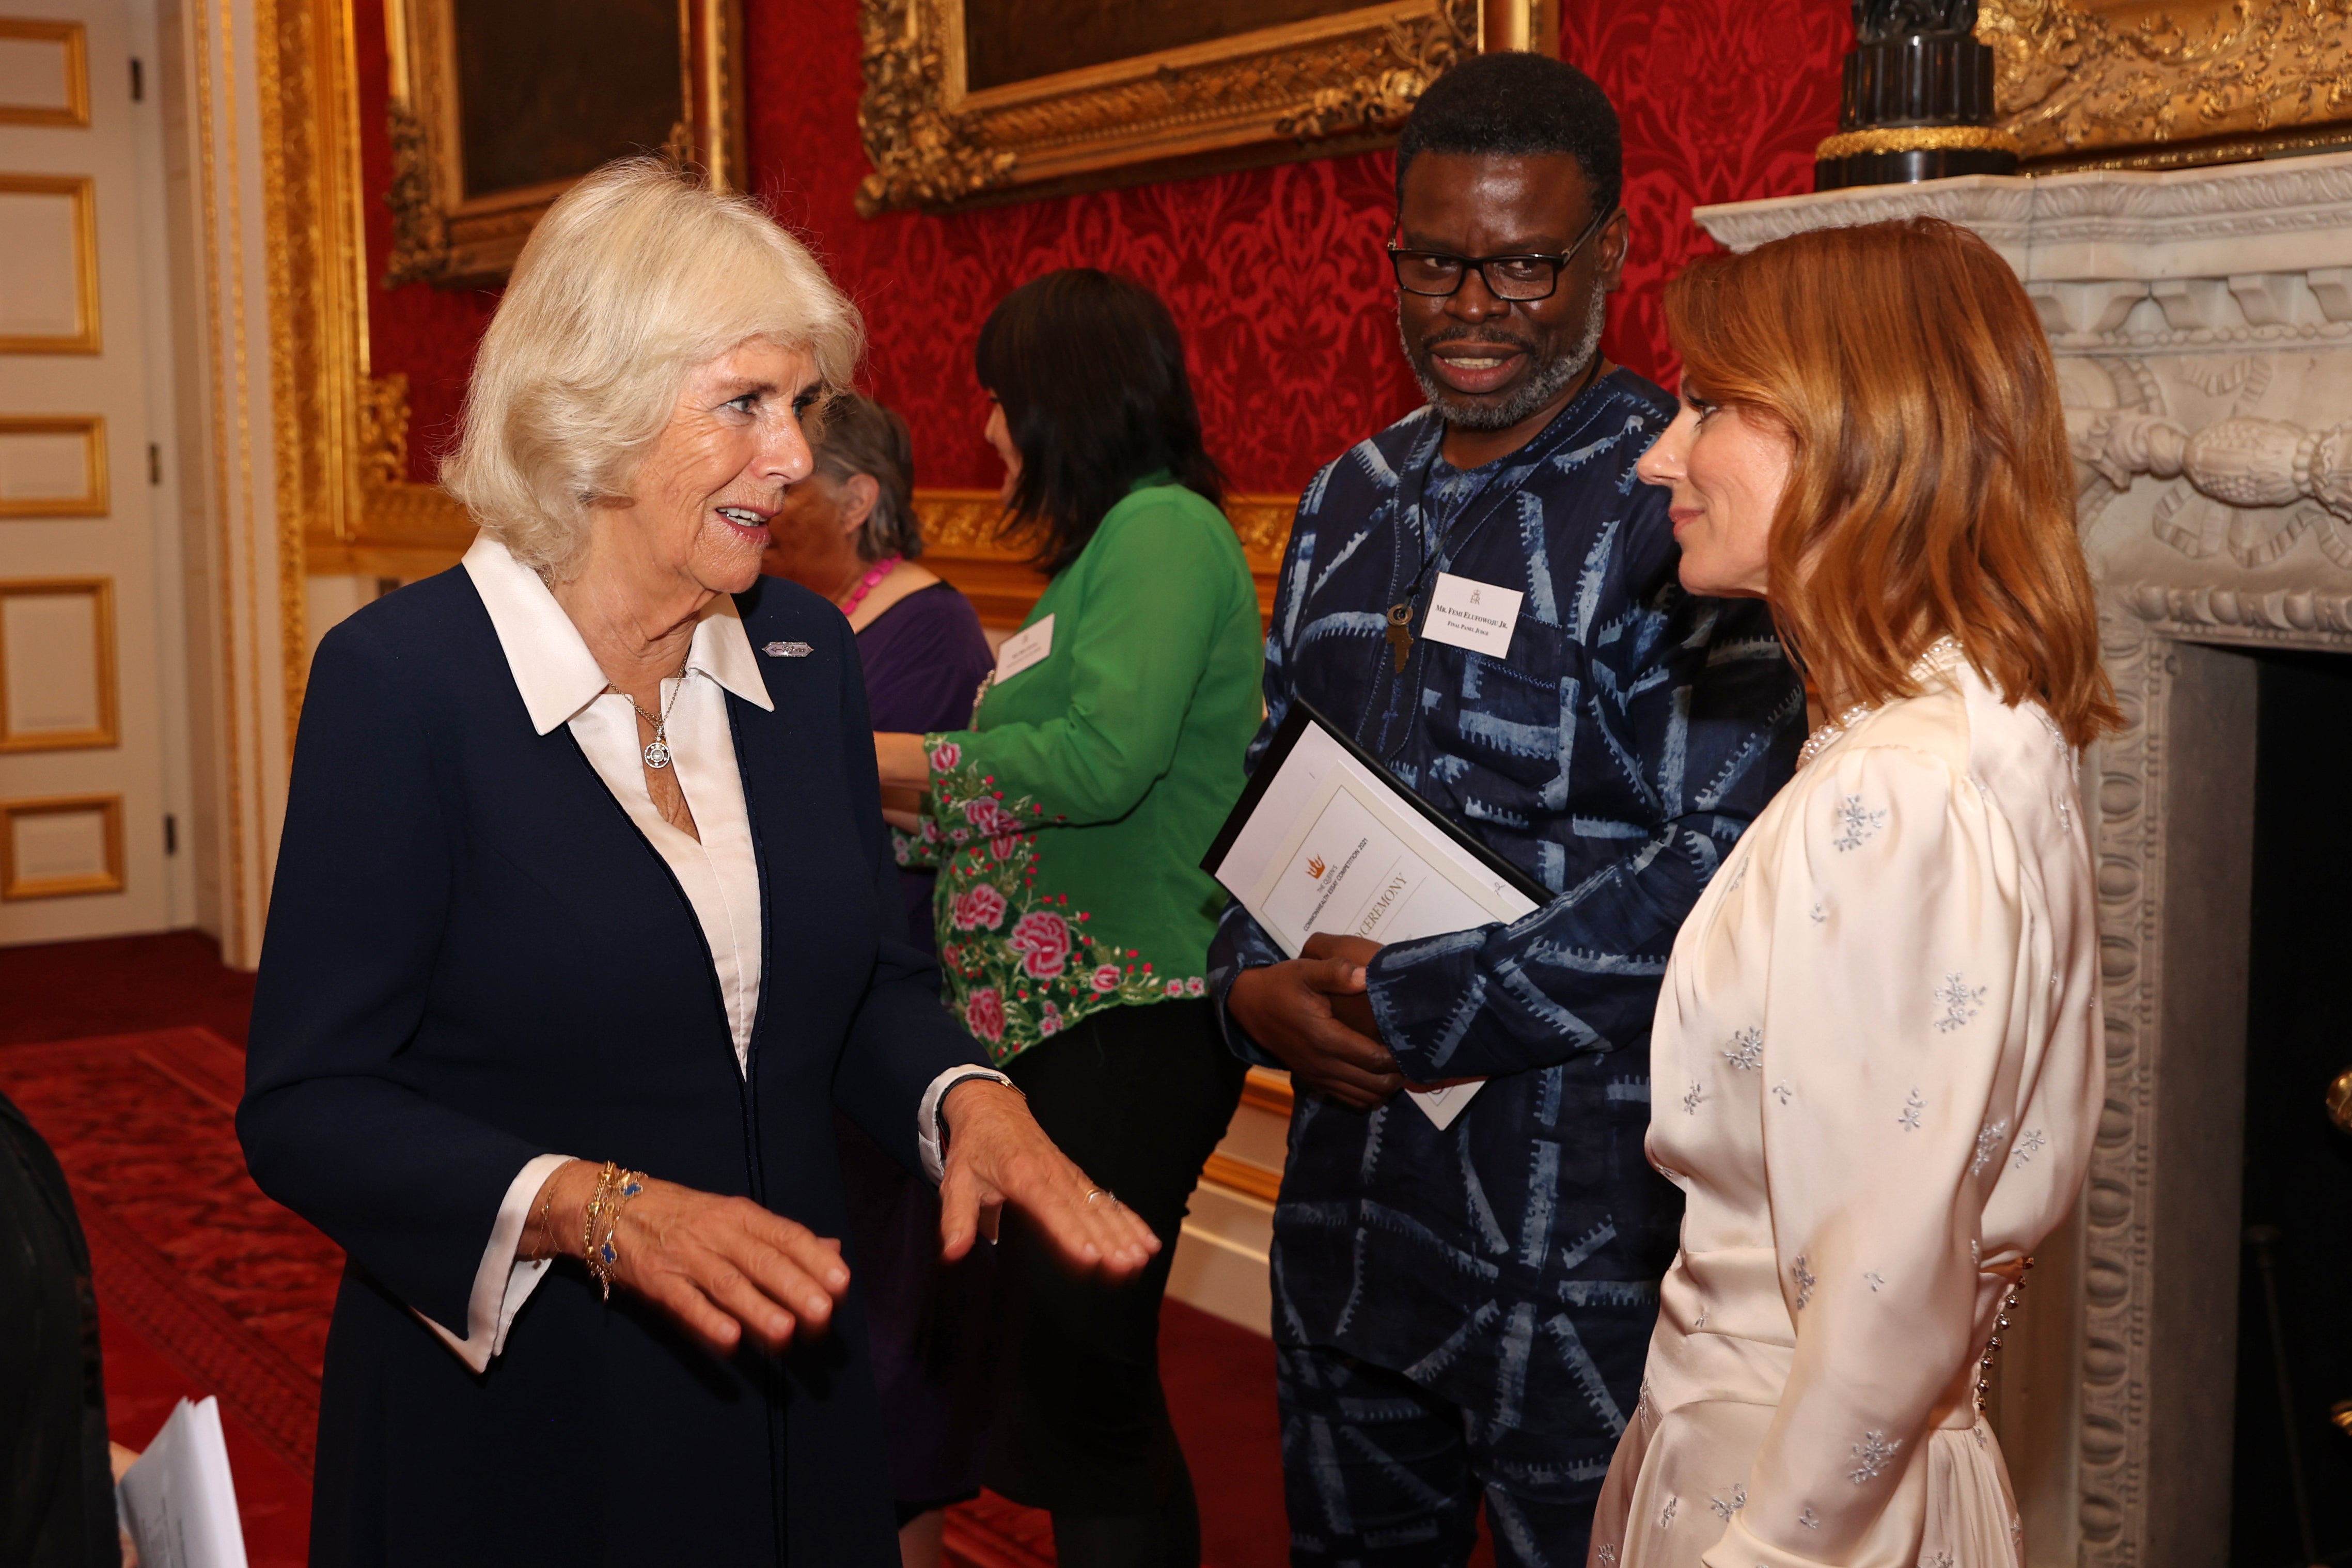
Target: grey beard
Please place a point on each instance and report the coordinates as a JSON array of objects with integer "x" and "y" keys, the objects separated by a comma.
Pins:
[{"x": 1546, "y": 383}]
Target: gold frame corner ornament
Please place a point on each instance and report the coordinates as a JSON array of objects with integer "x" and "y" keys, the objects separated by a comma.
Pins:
[
  {"x": 1336, "y": 83},
  {"x": 442, "y": 234},
  {"x": 2090, "y": 84}
]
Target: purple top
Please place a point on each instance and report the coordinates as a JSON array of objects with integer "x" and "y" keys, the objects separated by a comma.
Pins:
[{"x": 925, "y": 658}]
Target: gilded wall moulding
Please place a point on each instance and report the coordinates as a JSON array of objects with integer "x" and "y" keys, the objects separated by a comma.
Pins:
[
  {"x": 482, "y": 144},
  {"x": 950, "y": 116},
  {"x": 2148, "y": 84}
]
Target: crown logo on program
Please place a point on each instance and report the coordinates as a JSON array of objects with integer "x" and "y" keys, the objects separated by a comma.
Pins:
[{"x": 1314, "y": 867}]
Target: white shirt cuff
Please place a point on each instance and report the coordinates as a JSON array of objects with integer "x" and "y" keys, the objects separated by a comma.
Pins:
[
  {"x": 930, "y": 1131},
  {"x": 504, "y": 1282}
]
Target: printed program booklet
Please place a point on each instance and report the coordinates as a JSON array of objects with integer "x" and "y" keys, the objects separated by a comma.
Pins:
[{"x": 1326, "y": 839}]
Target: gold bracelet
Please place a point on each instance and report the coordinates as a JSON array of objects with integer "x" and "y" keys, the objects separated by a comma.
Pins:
[
  {"x": 546, "y": 1207},
  {"x": 605, "y": 1257},
  {"x": 595, "y": 1207}
]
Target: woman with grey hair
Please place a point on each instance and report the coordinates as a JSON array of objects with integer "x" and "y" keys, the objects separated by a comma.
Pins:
[
  {"x": 849, "y": 532},
  {"x": 585, "y": 922}
]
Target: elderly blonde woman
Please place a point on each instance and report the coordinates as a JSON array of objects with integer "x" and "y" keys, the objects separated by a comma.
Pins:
[{"x": 585, "y": 922}]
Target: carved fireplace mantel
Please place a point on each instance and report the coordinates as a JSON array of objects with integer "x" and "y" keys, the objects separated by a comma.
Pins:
[{"x": 2203, "y": 324}]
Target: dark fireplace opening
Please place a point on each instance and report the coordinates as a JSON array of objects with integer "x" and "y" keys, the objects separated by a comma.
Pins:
[{"x": 2292, "y": 1471}]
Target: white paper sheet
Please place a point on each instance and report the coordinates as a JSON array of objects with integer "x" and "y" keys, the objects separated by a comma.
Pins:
[
  {"x": 178, "y": 1502},
  {"x": 1331, "y": 846}
]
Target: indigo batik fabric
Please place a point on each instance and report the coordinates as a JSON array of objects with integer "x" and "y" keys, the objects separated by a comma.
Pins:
[{"x": 1509, "y": 1264}]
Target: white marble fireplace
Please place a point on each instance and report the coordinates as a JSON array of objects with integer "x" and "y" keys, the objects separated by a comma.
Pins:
[{"x": 2202, "y": 322}]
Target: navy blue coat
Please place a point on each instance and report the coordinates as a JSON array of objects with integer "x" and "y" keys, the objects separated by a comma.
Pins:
[{"x": 473, "y": 958}]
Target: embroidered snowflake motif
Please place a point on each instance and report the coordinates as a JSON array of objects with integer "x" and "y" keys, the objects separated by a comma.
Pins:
[
  {"x": 1912, "y": 1107},
  {"x": 1666, "y": 1514},
  {"x": 1976, "y": 1252},
  {"x": 1855, "y": 824},
  {"x": 1738, "y": 875},
  {"x": 1979, "y": 1433},
  {"x": 1782, "y": 1091},
  {"x": 1983, "y": 788},
  {"x": 1695, "y": 1098},
  {"x": 1989, "y": 1140},
  {"x": 2065, "y": 817},
  {"x": 1941, "y": 1560},
  {"x": 1819, "y": 915},
  {"x": 1959, "y": 1001},
  {"x": 2049, "y": 727},
  {"x": 1746, "y": 1051},
  {"x": 1876, "y": 1281},
  {"x": 2029, "y": 1143},
  {"x": 1808, "y": 1518},
  {"x": 1700, "y": 1322},
  {"x": 1803, "y": 1273},
  {"x": 1606, "y": 1557},
  {"x": 1645, "y": 1406},
  {"x": 1870, "y": 1456},
  {"x": 1726, "y": 1507}
]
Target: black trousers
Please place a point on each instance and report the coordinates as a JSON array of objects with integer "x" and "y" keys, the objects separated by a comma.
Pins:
[{"x": 1137, "y": 1096}]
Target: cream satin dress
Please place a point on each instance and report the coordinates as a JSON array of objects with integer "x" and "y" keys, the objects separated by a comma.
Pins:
[{"x": 1875, "y": 1074}]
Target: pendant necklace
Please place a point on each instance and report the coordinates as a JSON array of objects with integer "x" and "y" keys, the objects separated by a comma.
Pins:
[{"x": 656, "y": 752}]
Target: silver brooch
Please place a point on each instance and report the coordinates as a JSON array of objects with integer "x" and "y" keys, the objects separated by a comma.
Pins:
[{"x": 787, "y": 651}]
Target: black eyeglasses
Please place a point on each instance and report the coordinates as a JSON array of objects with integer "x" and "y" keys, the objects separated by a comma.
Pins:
[{"x": 1438, "y": 276}]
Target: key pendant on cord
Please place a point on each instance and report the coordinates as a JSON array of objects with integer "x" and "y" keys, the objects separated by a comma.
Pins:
[{"x": 1400, "y": 632}]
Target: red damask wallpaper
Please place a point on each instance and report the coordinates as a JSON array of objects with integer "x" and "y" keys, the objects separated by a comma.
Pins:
[{"x": 1275, "y": 275}]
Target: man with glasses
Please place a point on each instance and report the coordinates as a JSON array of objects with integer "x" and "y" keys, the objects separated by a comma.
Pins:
[{"x": 1462, "y": 1311}]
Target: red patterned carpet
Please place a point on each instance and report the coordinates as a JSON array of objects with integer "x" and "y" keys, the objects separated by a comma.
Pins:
[{"x": 206, "y": 1287}]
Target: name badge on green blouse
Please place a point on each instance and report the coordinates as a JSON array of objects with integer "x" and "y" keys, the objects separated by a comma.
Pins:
[{"x": 1022, "y": 650}]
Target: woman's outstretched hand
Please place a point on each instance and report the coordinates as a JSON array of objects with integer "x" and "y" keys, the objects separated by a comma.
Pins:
[
  {"x": 998, "y": 1154},
  {"x": 725, "y": 1269}
]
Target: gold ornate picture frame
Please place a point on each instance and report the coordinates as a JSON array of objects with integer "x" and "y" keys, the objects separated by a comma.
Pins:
[
  {"x": 447, "y": 231},
  {"x": 2153, "y": 84},
  {"x": 1341, "y": 79}
]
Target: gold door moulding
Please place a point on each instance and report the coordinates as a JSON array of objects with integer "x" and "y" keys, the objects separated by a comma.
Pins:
[
  {"x": 105, "y": 731},
  {"x": 1341, "y": 81},
  {"x": 15, "y": 884},
  {"x": 444, "y": 233},
  {"x": 2088, "y": 84},
  {"x": 73, "y": 64},
  {"x": 83, "y": 193},
  {"x": 92, "y": 430}
]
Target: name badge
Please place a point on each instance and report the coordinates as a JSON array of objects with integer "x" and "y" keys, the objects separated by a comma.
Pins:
[
  {"x": 1025, "y": 649},
  {"x": 1472, "y": 614}
]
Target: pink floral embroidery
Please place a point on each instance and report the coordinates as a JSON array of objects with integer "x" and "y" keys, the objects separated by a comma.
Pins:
[
  {"x": 983, "y": 1014},
  {"x": 979, "y": 909},
  {"x": 988, "y": 817},
  {"x": 1020, "y": 964},
  {"x": 1044, "y": 941}
]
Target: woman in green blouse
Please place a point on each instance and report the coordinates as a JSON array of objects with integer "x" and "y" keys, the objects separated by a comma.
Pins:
[{"x": 1074, "y": 920}]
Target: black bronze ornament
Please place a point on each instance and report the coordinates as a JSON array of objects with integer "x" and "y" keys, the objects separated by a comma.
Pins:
[{"x": 1917, "y": 101}]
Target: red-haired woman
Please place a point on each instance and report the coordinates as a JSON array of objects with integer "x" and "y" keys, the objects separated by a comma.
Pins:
[{"x": 1876, "y": 1068}]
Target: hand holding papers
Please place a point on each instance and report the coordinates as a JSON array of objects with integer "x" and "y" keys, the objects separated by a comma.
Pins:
[
  {"x": 178, "y": 1502},
  {"x": 1326, "y": 840}
]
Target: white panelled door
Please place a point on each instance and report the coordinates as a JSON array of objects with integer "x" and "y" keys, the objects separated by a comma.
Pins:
[{"x": 82, "y": 764}]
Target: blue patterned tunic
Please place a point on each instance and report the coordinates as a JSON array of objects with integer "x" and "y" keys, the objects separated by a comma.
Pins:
[{"x": 1510, "y": 1263}]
